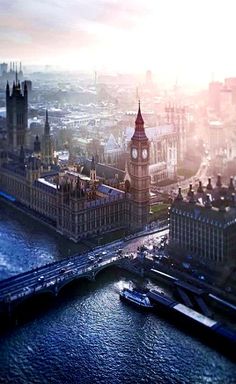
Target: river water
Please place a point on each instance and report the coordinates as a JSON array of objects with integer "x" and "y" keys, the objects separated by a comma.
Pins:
[{"x": 89, "y": 336}]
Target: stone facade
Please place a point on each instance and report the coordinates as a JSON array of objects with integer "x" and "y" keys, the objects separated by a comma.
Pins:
[
  {"x": 76, "y": 205},
  {"x": 204, "y": 224}
]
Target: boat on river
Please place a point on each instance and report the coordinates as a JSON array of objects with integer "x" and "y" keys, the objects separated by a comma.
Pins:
[{"x": 136, "y": 298}]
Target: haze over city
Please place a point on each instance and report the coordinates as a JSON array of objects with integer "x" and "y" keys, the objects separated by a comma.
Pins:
[
  {"x": 117, "y": 191},
  {"x": 186, "y": 40}
]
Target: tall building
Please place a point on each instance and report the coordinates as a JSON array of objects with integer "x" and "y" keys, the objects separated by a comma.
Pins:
[
  {"x": 17, "y": 116},
  {"x": 47, "y": 145},
  {"x": 139, "y": 173}
]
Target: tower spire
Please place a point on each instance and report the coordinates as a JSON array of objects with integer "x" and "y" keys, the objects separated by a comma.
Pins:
[
  {"x": 7, "y": 89},
  {"x": 139, "y": 118},
  {"x": 47, "y": 126},
  {"x": 139, "y": 132},
  {"x": 16, "y": 76}
]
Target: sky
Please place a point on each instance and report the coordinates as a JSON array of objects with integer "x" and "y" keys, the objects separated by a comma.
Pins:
[{"x": 186, "y": 40}]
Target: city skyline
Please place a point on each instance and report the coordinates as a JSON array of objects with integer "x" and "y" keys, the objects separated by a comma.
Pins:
[{"x": 185, "y": 41}]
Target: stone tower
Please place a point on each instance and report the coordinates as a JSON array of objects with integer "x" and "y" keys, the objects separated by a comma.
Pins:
[
  {"x": 47, "y": 146},
  {"x": 139, "y": 174},
  {"x": 17, "y": 116}
]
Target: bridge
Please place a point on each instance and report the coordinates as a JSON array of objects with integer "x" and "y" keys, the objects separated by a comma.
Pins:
[{"x": 51, "y": 278}]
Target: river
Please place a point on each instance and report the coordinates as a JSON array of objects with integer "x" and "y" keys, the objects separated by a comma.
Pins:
[{"x": 88, "y": 335}]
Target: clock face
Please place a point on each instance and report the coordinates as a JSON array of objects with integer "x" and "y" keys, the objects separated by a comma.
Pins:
[
  {"x": 134, "y": 153},
  {"x": 144, "y": 153}
]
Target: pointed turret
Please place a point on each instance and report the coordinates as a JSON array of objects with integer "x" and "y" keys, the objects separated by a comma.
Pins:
[
  {"x": 139, "y": 133},
  {"x": 16, "y": 76},
  {"x": 139, "y": 118},
  {"x": 47, "y": 145},
  {"x": 47, "y": 126},
  {"x": 7, "y": 90},
  {"x": 37, "y": 145},
  {"x": 200, "y": 189},
  {"x": 20, "y": 72},
  {"x": 231, "y": 185},
  {"x": 190, "y": 190},
  {"x": 127, "y": 176},
  {"x": 192, "y": 198},
  {"x": 209, "y": 185},
  {"x": 219, "y": 183},
  {"x": 179, "y": 197},
  {"x": 25, "y": 88}
]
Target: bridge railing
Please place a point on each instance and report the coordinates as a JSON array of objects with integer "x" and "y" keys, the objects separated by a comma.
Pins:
[{"x": 52, "y": 282}]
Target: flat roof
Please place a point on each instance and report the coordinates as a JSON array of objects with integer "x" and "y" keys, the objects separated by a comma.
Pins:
[
  {"x": 80, "y": 175},
  {"x": 195, "y": 315}
]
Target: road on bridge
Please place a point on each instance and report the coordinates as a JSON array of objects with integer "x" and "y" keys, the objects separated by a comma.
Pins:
[{"x": 50, "y": 275}]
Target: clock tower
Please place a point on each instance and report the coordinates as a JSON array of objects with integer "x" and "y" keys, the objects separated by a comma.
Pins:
[{"x": 139, "y": 174}]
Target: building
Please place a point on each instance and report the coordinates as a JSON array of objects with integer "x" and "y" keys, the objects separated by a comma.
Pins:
[
  {"x": 139, "y": 173},
  {"x": 167, "y": 144},
  {"x": 204, "y": 223},
  {"x": 47, "y": 145},
  {"x": 28, "y": 84},
  {"x": 17, "y": 116},
  {"x": 10, "y": 75},
  {"x": 76, "y": 205}
]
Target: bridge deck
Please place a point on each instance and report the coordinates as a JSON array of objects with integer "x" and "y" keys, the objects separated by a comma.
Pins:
[{"x": 55, "y": 275}]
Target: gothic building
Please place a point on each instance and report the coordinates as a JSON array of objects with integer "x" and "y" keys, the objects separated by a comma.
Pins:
[
  {"x": 139, "y": 173},
  {"x": 17, "y": 116},
  {"x": 167, "y": 145},
  {"x": 203, "y": 223},
  {"x": 76, "y": 205},
  {"x": 47, "y": 145}
]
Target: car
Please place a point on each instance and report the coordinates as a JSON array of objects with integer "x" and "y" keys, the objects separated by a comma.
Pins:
[
  {"x": 62, "y": 270},
  {"x": 41, "y": 278},
  {"x": 51, "y": 283},
  {"x": 91, "y": 258},
  {"x": 100, "y": 258}
]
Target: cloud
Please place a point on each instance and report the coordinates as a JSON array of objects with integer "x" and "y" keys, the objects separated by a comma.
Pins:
[
  {"x": 48, "y": 26},
  {"x": 195, "y": 36}
]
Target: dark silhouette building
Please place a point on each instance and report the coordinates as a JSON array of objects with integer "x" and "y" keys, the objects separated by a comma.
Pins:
[
  {"x": 17, "y": 116},
  {"x": 47, "y": 145}
]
